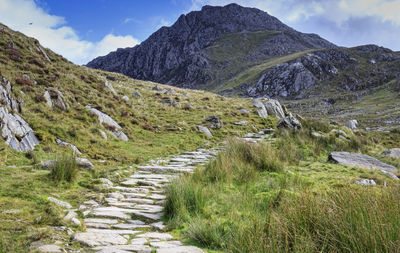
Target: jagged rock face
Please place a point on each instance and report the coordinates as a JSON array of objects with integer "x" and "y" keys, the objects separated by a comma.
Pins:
[
  {"x": 14, "y": 130},
  {"x": 175, "y": 55},
  {"x": 295, "y": 77}
]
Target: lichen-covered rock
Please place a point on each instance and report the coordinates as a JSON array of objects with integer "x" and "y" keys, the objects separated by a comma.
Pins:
[
  {"x": 352, "y": 124},
  {"x": 394, "y": 153},
  {"x": 69, "y": 145},
  {"x": 275, "y": 108},
  {"x": 261, "y": 111},
  {"x": 55, "y": 98},
  {"x": 205, "y": 131},
  {"x": 360, "y": 160},
  {"x": 109, "y": 123},
  {"x": 110, "y": 87},
  {"x": 289, "y": 122},
  {"x": 214, "y": 122},
  {"x": 16, "y": 132}
]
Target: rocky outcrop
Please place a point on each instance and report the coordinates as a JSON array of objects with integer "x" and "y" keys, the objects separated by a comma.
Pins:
[
  {"x": 394, "y": 153},
  {"x": 352, "y": 124},
  {"x": 177, "y": 55},
  {"x": 69, "y": 145},
  {"x": 289, "y": 122},
  {"x": 55, "y": 98},
  {"x": 109, "y": 123},
  {"x": 214, "y": 122},
  {"x": 110, "y": 87},
  {"x": 295, "y": 78},
  {"x": 275, "y": 108},
  {"x": 7, "y": 98},
  {"x": 360, "y": 161}
]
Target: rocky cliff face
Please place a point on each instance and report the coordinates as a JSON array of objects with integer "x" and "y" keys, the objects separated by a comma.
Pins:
[{"x": 176, "y": 55}]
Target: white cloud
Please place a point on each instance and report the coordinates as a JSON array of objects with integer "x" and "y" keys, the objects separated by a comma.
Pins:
[{"x": 52, "y": 32}]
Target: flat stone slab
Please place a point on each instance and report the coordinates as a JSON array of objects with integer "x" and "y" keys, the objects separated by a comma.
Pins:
[
  {"x": 130, "y": 189},
  {"x": 112, "y": 231},
  {"x": 110, "y": 214},
  {"x": 60, "y": 203},
  {"x": 394, "y": 153},
  {"x": 139, "y": 201},
  {"x": 134, "y": 195},
  {"x": 97, "y": 225},
  {"x": 156, "y": 196},
  {"x": 149, "y": 208},
  {"x": 151, "y": 216},
  {"x": 167, "y": 244},
  {"x": 156, "y": 235},
  {"x": 129, "y": 226},
  {"x": 104, "y": 221},
  {"x": 50, "y": 248},
  {"x": 163, "y": 169},
  {"x": 180, "y": 249},
  {"x": 97, "y": 239},
  {"x": 359, "y": 160},
  {"x": 124, "y": 248},
  {"x": 158, "y": 225}
]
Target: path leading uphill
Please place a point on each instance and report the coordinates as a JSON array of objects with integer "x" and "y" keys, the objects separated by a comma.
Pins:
[{"x": 129, "y": 219}]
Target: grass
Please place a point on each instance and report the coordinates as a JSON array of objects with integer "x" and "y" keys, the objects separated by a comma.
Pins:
[
  {"x": 65, "y": 169},
  {"x": 246, "y": 201}
]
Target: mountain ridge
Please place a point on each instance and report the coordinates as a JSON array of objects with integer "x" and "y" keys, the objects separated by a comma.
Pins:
[{"x": 176, "y": 55}]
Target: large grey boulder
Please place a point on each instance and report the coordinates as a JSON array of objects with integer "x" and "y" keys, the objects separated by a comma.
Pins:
[
  {"x": 81, "y": 162},
  {"x": 110, "y": 87},
  {"x": 55, "y": 98},
  {"x": 261, "y": 111},
  {"x": 16, "y": 132},
  {"x": 214, "y": 122},
  {"x": 289, "y": 122},
  {"x": 352, "y": 124},
  {"x": 205, "y": 131},
  {"x": 360, "y": 161},
  {"x": 7, "y": 97},
  {"x": 275, "y": 108},
  {"x": 69, "y": 145},
  {"x": 394, "y": 153},
  {"x": 109, "y": 123}
]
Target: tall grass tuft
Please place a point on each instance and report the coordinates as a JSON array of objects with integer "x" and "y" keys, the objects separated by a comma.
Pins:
[{"x": 65, "y": 169}]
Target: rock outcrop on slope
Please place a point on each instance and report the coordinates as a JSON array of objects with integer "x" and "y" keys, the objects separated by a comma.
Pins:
[
  {"x": 176, "y": 55},
  {"x": 15, "y": 131}
]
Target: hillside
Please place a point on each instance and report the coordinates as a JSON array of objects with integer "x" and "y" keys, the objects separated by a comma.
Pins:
[{"x": 44, "y": 101}]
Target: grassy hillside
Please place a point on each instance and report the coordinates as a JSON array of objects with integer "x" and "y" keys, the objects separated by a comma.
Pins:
[
  {"x": 283, "y": 196},
  {"x": 153, "y": 128}
]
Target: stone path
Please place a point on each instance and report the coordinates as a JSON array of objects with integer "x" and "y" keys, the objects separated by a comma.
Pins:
[{"x": 129, "y": 218}]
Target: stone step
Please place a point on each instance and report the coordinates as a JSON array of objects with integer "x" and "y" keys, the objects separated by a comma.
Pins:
[
  {"x": 163, "y": 169},
  {"x": 124, "y": 248},
  {"x": 139, "y": 201},
  {"x": 104, "y": 221},
  {"x": 151, "y": 216},
  {"x": 129, "y": 226},
  {"x": 112, "y": 231},
  {"x": 130, "y": 189}
]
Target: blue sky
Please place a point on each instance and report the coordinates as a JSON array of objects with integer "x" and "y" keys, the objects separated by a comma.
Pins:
[{"x": 82, "y": 30}]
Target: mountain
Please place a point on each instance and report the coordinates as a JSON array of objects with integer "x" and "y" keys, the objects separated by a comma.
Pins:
[
  {"x": 208, "y": 47},
  {"x": 238, "y": 51}
]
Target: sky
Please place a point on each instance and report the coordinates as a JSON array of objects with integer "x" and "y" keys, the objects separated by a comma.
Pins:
[{"x": 81, "y": 30}]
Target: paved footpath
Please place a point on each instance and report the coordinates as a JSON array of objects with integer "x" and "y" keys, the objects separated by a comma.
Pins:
[{"x": 129, "y": 220}]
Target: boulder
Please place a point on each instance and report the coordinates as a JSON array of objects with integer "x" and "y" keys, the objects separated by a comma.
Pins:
[
  {"x": 289, "y": 122},
  {"x": 50, "y": 248},
  {"x": 16, "y": 132},
  {"x": 214, "y": 122},
  {"x": 81, "y": 162},
  {"x": 125, "y": 98},
  {"x": 352, "y": 124},
  {"x": 261, "y": 111},
  {"x": 273, "y": 107},
  {"x": 69, "y": 145},
  {"x": 366, "y": 182},
  {"x": 204, "y": 130},
  {"x": 394, "y": 153},
  {"x": 137, "y": 94},
  {"x": 360, "y": 161},
  {"x": 55, "y": 98},
  {"x": 158, "y": 88},
  {"x": 169, "y": 101},
  {"x": 109, "y": 123},
  {"x": 60, "y": 203},
  {"x": 110, "y": 87}
]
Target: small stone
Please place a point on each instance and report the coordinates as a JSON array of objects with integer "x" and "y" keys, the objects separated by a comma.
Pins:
[
  {"x": 12, "y": 211},
  {"x": 50, "y": 248},
  {"x": 69, "y": 216},
  {"x": 76, "y": 222},
  {"x": 60, "y": 203},
  {"x": 352, "y": 124},
  {"x": 125, "y": 98},
  {"x": 366, "y": 182},
  {"x": 204, "y": 130},
  {"x": 241, "y": 123},
  {"x": 137, "y": 94},
  {"x": 106, "y": 181}
]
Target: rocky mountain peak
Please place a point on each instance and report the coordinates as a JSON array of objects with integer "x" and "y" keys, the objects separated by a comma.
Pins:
[{"x": 177, "y": 55}]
